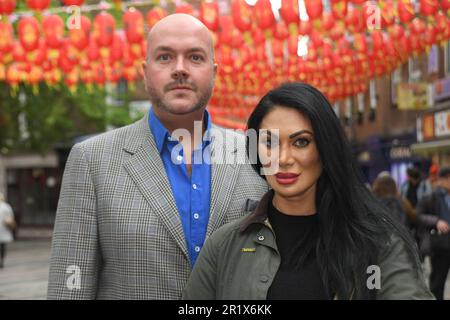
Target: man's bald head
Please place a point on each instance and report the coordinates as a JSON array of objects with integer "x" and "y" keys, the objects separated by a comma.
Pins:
[{"x": 181, "y": 24}]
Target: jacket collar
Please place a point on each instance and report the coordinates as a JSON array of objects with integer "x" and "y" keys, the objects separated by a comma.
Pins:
[{"x": 259, "y": 214}]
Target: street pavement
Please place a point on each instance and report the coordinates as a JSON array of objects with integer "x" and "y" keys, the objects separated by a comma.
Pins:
[{"x": 25, "y": 274}]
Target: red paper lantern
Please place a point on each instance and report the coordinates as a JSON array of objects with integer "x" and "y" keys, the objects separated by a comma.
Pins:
[
  {"x": 405, "y": 10},
  {"x": 429, "y": 7},
  {"x": 38, "y": 56},
  {"x": 154, "y": 15},
  {"x": 281, "y": 31},
  {"x": 328, "y": 22},
  {"x": 225, "y": 30},
  {"x": 73, "y": 2},
  {"x": 38, "y": 5},
  {"x": 18, "y": 52},
  {"x": 360, "y": 43},
  {"x": 293, "y": 46},
  {"x": 314, "y": 9},
  {"x": 117, "y": 45},
  {"x": 355, "y": 21},
  {"x": 104, "y": 26},
  {"x": 133, "y": 24},
  {"x": 339, "y": 8},
  {"x": 6, "y": 37},
  {"x": 79, "y": 37},
  {"x": 209, "y": 15},
  {"x": 53, "y": 27},
  {"x": 445, "y": 4},
  {"x": 185, "y": 8},
  {"x": 242, "y": 15},
  {"x": 417, "y": 26},
  {"x": 304, "y": 28},
  {"x": 289, "y": 11},
  {"x": 92, "y": 50},
  {"x": 430, "y": 35},
  {"x": 28, "y": 31},
  {"x": 7, "y": 6},
  {"x": 387, "y": 13},
  {"x": 13, "y": 74},
  {"x": 396, "y": 32},
  {"x": 264, "y": 17},
  {"x": 237, "y": 40}
]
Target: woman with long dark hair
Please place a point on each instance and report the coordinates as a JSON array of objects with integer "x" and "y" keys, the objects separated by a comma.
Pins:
[{"x": 319, "y": 233}]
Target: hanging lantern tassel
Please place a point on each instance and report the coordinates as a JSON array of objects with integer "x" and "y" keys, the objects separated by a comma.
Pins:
[
  {"x": 14, "y": 89},
  {"x": 35, "y": 89},
  {"x": 118, "y": 5}
]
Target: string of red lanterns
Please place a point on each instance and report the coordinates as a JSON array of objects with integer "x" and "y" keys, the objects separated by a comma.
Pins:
[{"x": 255, "y": 51}]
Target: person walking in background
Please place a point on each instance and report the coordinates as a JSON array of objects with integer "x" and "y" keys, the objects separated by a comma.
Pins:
[
  {"x": 318, "y": 232},
  {"x": 414, "y": 189},
  {"x": 434, "y": 217},
  {"x": 385, "y": 189},
  {"x": 7, "y": 226},
  {"x": 138, "y": 202},
  {"x": 433, "y": 176}
]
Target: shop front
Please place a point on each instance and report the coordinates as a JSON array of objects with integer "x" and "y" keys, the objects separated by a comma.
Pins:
[{"x": 433, "y": 127}]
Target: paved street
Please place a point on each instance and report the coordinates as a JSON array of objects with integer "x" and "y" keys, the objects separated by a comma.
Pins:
[
  {"x": 25, "y": 274},
  {"x": 26, "y": 270}
]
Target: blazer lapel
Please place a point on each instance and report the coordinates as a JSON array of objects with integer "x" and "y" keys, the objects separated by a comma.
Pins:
[
  {"x": 147, "y": 171},
  {"x": 223, "y": 178}
]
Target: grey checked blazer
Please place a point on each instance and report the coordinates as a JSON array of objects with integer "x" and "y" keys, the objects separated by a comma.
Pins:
[{"x": 117, "y": 233}]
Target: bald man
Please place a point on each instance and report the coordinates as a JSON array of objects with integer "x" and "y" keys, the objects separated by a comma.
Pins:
[{"x": 138, "y": 202}]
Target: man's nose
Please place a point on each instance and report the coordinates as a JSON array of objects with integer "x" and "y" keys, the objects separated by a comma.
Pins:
[{"x": 180, "y": 71}]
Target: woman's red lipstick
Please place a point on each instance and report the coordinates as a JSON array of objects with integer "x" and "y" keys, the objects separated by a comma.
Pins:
[{"x": 286, "y": 177}]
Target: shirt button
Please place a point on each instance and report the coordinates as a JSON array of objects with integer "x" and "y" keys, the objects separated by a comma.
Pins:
[
  {"x": 264, "y": 279},
  {"x": 197, "y": 249},
  {"x": 196, "y": 216},
  {"x": 194, "y": 186},
  {"x": 261, "y": 238}
]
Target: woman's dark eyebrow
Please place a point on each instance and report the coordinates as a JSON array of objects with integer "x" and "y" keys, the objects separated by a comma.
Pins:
[{"x": 300, "y": 132}]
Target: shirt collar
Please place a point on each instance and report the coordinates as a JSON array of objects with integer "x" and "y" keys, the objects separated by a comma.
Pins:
[
  {"x": 161, "y": 134},
  {"x": 259, "y": 214}
]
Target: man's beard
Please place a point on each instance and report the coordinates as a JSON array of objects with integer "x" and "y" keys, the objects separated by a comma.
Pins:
[{"x": 157, "y": 100}]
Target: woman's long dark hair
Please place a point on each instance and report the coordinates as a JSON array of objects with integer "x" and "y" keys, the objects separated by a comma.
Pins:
[{"x": 353, "y": 226}]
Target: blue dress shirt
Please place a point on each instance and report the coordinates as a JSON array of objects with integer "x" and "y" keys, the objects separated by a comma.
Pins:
[{"x": 191, "y": 193}]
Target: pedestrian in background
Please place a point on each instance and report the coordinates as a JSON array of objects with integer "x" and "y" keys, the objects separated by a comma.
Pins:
[
  {"x": 385, "y": 189},
  {"x": 434, "y": 217},
  {"x": 415, "y": 188},
  {"x": 7, "y": 226}
]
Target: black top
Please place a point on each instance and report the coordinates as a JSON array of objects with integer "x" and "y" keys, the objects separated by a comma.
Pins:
[{"x": 299, "y": 277}]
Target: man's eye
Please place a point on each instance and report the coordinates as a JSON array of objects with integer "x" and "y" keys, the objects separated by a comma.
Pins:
[
  {"x": 164, "y": 57},
  {"x": 196, "y": 57},
  {"x": 302, "y": 142}
]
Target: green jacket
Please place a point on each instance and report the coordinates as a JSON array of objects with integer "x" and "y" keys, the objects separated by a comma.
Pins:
[{"x": 240, "y": 260}]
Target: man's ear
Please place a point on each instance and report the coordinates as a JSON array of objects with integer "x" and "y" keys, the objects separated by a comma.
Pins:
[{"x": 144, "y": 68}]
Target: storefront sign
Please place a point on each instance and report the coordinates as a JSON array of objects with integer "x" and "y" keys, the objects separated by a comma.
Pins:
[
  {"x": 413, "y": 96},
  {"x": 400, "y": 152},
  {"x": 442, "y": 123},
  {"x": 442, "y": 89}
]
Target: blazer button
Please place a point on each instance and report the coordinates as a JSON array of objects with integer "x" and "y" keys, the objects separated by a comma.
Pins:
[
  {"x": 264, "y": 279},
  {"x": 261, "y": 238}
]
